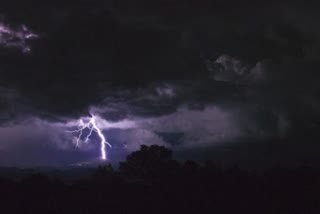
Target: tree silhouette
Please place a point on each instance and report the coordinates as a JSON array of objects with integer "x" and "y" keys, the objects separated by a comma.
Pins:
[
  {"x": 149, "y": 162},
  {"x": 149, "y": 181}
]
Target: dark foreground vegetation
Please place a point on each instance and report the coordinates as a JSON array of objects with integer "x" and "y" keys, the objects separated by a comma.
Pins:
[{"x": 149, "y": 181}]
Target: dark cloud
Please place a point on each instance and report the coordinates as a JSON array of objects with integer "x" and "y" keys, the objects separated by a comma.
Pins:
[
  {"x": 238, "y": 69},
  {"x": 88, "y": 49}
]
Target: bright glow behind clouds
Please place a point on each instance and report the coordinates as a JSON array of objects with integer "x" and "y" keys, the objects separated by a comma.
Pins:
[{"x": 16, "y": 38}]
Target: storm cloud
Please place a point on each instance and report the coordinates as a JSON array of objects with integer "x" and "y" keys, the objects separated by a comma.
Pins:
[{"x": 186, "y": 74}]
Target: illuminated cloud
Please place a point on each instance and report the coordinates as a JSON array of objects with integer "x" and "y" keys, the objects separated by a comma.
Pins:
[
  {"x": 166, "y": 91},
  {"x": 102, "y": 123},
  {"x": 199, "y": 127},
  {"x": 16, "y": 37}
]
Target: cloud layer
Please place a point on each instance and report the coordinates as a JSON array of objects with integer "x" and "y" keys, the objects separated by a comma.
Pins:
[{"x": 182, "y": 74}]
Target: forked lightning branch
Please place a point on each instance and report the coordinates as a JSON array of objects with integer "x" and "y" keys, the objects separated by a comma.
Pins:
[{"x": 91, "y": 126}]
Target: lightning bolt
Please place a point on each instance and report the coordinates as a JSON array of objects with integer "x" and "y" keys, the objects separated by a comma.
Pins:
[{"x": 91, "y": 125}]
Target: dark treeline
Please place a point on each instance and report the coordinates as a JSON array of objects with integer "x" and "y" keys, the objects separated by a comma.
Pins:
[{"x": 150, "y": 181}]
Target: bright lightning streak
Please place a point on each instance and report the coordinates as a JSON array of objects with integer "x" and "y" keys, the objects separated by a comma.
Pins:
[{"x": 91, "y": 125}]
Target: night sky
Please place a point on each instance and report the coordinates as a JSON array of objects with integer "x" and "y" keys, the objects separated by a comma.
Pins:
[{"x": 232, "y": 81}]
